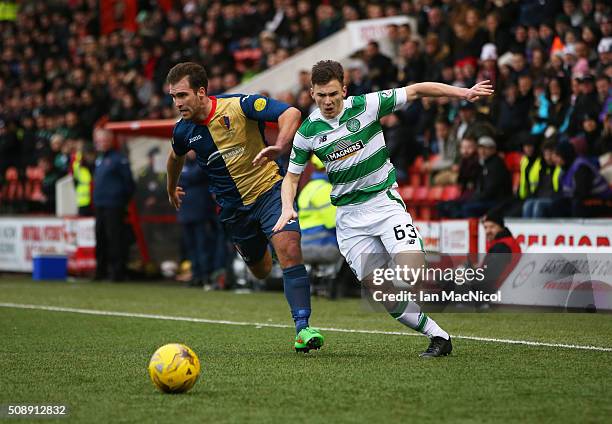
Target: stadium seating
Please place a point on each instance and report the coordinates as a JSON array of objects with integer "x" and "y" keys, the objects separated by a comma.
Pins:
[
  {"x": 12, "y": 191},
  {"x": 33, "y": 185},
  {"x": 451, "y": 192}
]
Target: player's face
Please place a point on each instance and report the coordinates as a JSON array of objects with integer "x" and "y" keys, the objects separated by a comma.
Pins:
[
  {"x": 329, "y": 98},
  {"x": 190, "y": 103}
]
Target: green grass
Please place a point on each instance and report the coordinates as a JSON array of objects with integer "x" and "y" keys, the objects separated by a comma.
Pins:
[{"x": 97, "y": 364}]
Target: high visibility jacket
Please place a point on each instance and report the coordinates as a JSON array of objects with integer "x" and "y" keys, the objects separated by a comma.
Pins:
[
  {"x": 8, "y": 11},
  {"x": 314, "y": 205},
  {"x": 82, "y": 177},
  {"x": 556, "y": 178},
  {"x": 530, "y": 176}
]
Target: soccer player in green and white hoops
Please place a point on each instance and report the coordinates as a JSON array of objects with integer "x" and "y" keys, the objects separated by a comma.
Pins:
[{"x": 371, "y": 221}]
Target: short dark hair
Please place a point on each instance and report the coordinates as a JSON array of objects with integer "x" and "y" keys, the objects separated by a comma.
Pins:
[
  {"x": 441, "y": 119},
  {"x": 325, "y": 71},
  {"x": 196, "y": 74}
]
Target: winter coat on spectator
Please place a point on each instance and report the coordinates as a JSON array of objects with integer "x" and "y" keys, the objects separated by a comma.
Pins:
[
  {"x": 113, "y": 182},
  {"x": 494, "y": 182}
]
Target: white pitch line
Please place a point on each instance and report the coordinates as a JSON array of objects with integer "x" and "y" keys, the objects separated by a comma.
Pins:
[{"x": 269, "y": 325}]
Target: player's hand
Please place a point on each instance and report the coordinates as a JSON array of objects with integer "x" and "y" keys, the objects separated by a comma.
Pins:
[
  {"x": 482, "y": 89},
  {"x": 286, "y": 216},
  {"x": 270, "y": 153},
  {"x": 175, "y": 198}
]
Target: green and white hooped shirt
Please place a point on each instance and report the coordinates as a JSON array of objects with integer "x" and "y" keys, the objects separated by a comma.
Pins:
[{"x": 351, "y": 146}]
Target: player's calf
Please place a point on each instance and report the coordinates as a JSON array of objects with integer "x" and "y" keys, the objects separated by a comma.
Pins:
[{"x": 262, "y": 268}]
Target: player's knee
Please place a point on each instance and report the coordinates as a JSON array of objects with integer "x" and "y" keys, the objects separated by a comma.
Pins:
[
  {"x": 291, "y": 255},
  {"x": 414, "y": 261}
]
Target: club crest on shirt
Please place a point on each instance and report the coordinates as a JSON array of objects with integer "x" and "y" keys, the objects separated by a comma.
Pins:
[
  {"x": 353, "y": 125},
  {"x": 225, "y": 121}
]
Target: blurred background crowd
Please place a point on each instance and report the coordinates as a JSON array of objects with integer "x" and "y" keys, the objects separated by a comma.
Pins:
[{"x": 541, "y": 146}]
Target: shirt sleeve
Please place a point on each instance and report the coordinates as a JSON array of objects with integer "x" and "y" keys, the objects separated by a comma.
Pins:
[
  {"x": 390, "y": 100},
  {"x": 260, "y": 108},
  {"x": 300, "y": 154},
  {"x": 179, "y": 143}
]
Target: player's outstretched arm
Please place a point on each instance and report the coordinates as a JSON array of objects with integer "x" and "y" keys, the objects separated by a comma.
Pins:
[
  {"x": 288, "y": 191},
  {"x": 436, "y": 89},
  {"x": 288, "y": 123},
  {"x": 174, "y": 166}
]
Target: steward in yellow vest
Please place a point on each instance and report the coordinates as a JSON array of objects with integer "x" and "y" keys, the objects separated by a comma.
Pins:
[
  {"x": 82, "y": 173},
  {"x": 318, "y": 218}
]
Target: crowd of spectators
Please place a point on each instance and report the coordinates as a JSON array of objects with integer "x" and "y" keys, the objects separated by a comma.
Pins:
[{"x": 550, "y": 63}]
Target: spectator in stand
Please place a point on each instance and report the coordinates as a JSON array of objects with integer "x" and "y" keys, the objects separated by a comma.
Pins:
[
  {"x": 470, "y": 122},
  {"x": 83, "y": 169},
  {"x": 488, "y": 64},
  {"x": 381, "y": 69},
  {"x": 412, "y": 63},
  {"x": 468, "y": 172},
  {"x": 401, "y": 144},
  {"x": 494, "y": 185},
  {"x": 469, "y": 167},
  {"x": 510, "y": 117},
  {"x": 435, "y": 56},
  {"x": 113, "y": 189},
  {"x": 558, "y": 105},
  {"x": 585, "y": 192},
  {"x": 587, "y": 103},
  {"x": 436, "y": 24},
  {"x": 446, "y": 149},
  {"x": 9, "y": 148},
  {"x": 51, "y": 175},
  {"x": 495, "y": 34},
  {"x": 588, "y": 138},
  {"x": 529, "y": 174},
  {"x": 538, "y": 205}
]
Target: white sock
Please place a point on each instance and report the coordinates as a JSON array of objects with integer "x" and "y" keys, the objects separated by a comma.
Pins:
[{"x": 413, "y": 317}]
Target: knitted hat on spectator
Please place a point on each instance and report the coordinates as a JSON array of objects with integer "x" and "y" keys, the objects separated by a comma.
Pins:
[
  {"x": 488, "y": 52},
  {"x": 605, "y": 45},
  {"x": 486, "y": 141}
]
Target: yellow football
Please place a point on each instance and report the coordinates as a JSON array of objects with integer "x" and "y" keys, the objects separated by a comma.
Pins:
[{"x": 174, "y": 368}]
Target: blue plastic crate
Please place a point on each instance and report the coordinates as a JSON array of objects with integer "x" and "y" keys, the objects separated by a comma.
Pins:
[{"x": 49, "y": 267}]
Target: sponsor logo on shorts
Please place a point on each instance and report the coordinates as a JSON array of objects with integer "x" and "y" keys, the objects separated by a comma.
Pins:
[{"x": 342, "y": 152}]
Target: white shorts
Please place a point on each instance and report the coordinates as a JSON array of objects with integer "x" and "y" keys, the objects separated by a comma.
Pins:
[{"x": 372, "y": 233}]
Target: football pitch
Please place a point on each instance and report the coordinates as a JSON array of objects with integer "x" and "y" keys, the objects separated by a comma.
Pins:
[{"x": 86, "y": 345}]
